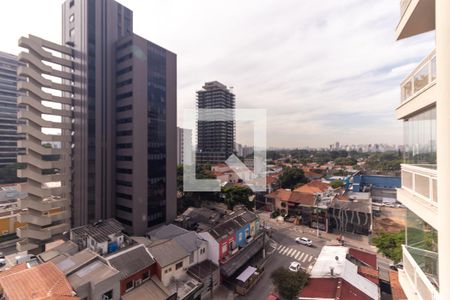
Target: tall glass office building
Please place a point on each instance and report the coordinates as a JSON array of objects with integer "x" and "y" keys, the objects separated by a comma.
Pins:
[{"x": 120, "y": 76}]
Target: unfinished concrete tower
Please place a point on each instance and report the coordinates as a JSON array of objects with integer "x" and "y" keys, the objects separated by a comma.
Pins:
[{"x": 45, "y": 120}]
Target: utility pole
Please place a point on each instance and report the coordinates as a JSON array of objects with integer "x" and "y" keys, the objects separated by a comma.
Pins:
[{"x": 264, "y": 239}]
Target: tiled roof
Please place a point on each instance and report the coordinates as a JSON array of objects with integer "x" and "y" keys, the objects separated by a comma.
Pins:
[
  {"x": 369, "y": 273},
  {"x": 130, "y": 261},
  {"x": 39, "y": 282},
  {"x": 320, "y": 288},
  {"x": 312, "y": 187},
  {"x": 280, "y": 194},
  {"x": 224, "y": 228},
  {"x": 331, "y": 288},
  {"x": 14, "y": 269},
  {"x": 302, "y": 198},
  {"x": 396, "y": 288},
  {"x": 367, "y": 258}
]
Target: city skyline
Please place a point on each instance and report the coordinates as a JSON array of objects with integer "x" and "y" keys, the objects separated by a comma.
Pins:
[{"x": 291, "y": 60}]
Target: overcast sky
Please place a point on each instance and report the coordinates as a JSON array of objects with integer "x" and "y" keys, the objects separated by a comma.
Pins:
[{"x": 326, "y": 70}]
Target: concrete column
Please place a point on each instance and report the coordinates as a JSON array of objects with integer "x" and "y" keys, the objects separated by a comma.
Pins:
[{"x": 443, "y": 141}]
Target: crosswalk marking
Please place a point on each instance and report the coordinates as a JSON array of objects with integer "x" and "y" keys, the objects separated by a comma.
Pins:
[
  {"x": 298, "y": 254},
  {"x": 301, "y": 256},
  {"x": 310, "y": 259},
  {"x": 285, "y": 250},
  {"x": 293, "y": 253},
  {"x": 282, "y": 249},
  {"x": 289, "y": 252},
  {"x": 279, "y": 247},
  {"x": 304, "y": 258}
]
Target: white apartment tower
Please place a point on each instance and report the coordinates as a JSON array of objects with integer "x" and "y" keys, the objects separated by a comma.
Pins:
[{"x": 425, "y": 111}]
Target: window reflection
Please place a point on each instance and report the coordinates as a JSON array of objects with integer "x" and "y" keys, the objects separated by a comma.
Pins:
[
  {"x": 420, "y": 138},
  {"x": 422, "y": 244}
]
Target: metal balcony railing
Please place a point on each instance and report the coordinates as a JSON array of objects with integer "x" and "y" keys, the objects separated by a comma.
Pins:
[
  {"x": 422, "y": 77},
  {"x": 421, "y": 180}
]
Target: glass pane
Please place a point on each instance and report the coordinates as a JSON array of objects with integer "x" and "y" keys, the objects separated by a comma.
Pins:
[
  {"x": 407, "y": 90},
  {"x": 433, "y": 69},
  {"x": 422, "y": 243},
  {"x": 420, "y": 138},
  {"x": 421, "y": 79}
]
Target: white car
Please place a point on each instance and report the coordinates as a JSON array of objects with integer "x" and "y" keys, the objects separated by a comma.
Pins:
[
  {"x": 304, "y": 241},
  {"x": 295, "y": 266}
]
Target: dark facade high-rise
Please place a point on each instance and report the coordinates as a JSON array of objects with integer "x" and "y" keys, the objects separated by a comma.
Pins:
[
  {"x": 8, "y": 109},
  {"x": 96, "y": 30},
  {"x": 215, "y": 139}
]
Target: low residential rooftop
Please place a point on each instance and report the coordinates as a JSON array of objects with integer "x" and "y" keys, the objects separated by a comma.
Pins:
[
  {"x": 167, "y": 252},
  {"x": 44, "y": 281},
  {"x": 101, "y": 230},
  {"x": 131, "y": 260}
]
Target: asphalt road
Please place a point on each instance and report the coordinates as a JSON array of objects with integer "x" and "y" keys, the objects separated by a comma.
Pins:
[{"x": 287, "y": 251}]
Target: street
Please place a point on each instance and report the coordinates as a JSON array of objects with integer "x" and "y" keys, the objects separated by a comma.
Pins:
[{"x": 286, "y": 251}]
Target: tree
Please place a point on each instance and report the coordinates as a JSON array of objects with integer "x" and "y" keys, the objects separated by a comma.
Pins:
[
  {"x": 237, "y": 194},
  {"x": 345, "y": 161},
  {"x": 337, "y": 184},
  {"x": 390, "y": 244},
  {"x": 292, "y": 177},
  {"x": 288, "y": 283}
]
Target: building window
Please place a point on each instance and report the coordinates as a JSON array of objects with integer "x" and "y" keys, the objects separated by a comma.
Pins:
[
  {"x": 179, "y": 265},
  {"x": 124, "y": 158},
  {"x": 108, "y": 295},
  {"x": 71, "y": 3},
  {"x": 129, "y": 286},
  {"x": 72, "y": 32},
  {"x": 202, "y": 251},
  {"x": 72, "y": 18},
  {"x": 124, "y": 208},
  {"x": 145, "y": 276},
  {"x": 124, "y": 120}
]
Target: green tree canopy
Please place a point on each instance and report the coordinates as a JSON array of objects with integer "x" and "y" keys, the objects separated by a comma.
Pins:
[
  {"x": 390, "y": 244},
  {"x": 337, "y": 184},
  {"x": 288, "y": 283},
  {"x": 237, "y": 194},
  {"x": 291, "y": 177}
]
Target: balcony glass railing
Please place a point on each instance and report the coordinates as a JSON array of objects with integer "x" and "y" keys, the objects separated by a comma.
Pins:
[
  {"x": 423, "y": 76},
  {"x": 421, "y": 180},
  {"x": 424, "y": 284}
]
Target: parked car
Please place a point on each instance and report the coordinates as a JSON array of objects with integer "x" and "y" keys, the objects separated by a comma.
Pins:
[
  {"x": 295, "y": 266},
  {"x": 2, "y": 261},
  {"x": 304, "y": 241}
]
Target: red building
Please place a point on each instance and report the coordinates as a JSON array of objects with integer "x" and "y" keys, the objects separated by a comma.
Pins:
[{"x": 136, "y": 266}]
